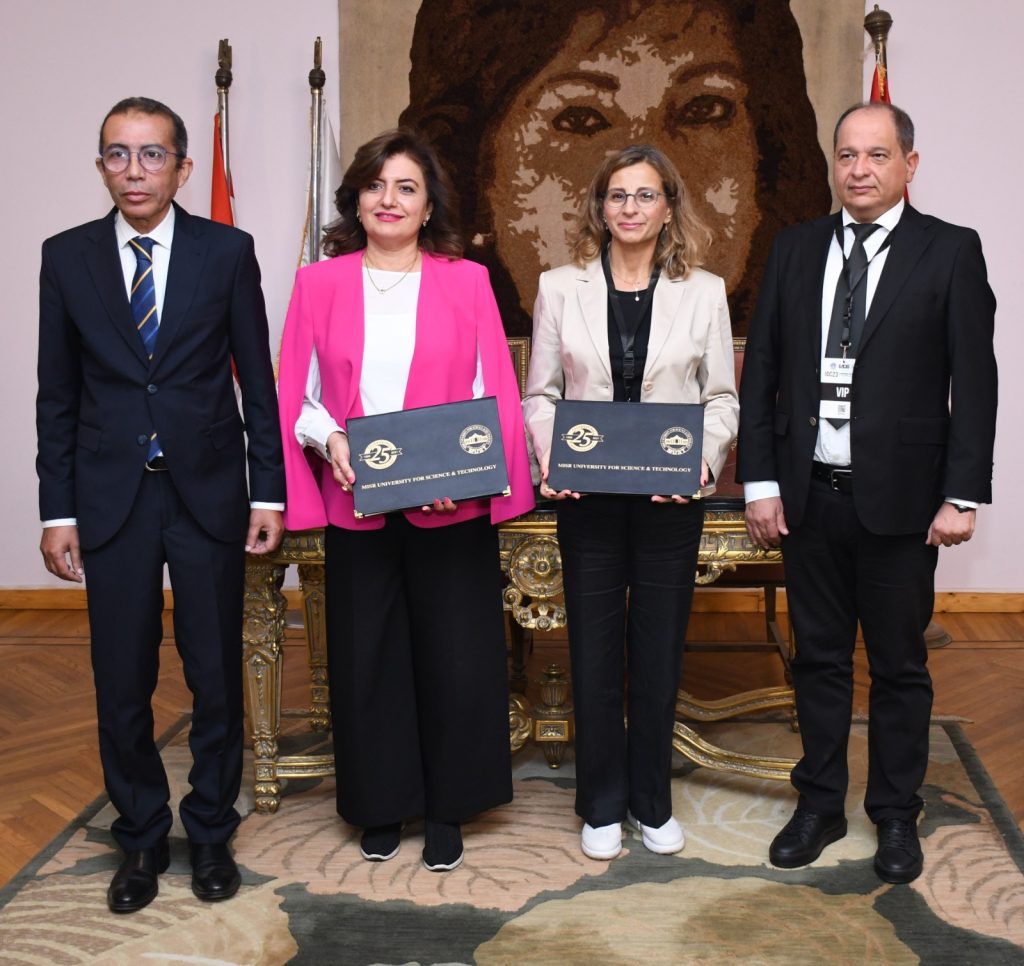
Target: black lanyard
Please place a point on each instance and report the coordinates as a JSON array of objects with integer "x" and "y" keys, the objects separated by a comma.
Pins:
[
  {"x": 628, "y": 337},
  {"x": 851, "y": 285}
]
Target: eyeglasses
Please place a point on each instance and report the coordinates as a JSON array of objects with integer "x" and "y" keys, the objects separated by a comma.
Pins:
[
  {"x": 152, "y": 158},
  {"x": 645, "y": 197}
]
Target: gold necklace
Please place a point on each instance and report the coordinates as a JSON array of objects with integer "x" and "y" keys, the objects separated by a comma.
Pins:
[
  {"x": 387, "y": 288},
  {"x": 635, "y": 285}
]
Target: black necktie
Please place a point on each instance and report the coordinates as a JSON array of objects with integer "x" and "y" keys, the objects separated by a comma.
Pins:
[{"x": 852, "y": 275}]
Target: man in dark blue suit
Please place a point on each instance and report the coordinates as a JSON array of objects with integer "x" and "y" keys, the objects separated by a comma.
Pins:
[
  {"x": 868, "y": 413},
  {"x": 142, "y": 462}
]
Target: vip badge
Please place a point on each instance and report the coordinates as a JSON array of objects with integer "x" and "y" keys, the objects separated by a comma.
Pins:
[
  {"x": 380, "y": 454},
  {"x": 676, "y": 440},
  {"x": 476, "y": 439},
  {"x": 582, "y": 438}
]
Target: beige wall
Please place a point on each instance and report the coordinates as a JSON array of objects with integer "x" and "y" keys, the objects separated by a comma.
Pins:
[{"x": 63, "y": 63}]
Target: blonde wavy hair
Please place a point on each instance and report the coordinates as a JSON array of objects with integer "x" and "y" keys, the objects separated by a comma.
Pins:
[{"x": 683, "y": 243}]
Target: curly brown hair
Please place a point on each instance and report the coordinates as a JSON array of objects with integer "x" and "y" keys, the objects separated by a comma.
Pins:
[{"x": 440, "y": 236}]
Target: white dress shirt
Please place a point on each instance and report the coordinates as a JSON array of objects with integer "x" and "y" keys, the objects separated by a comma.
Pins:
[{"x": 833, "y": 443}]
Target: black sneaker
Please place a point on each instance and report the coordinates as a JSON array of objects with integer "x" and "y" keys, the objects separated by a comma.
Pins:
[
  {"x": 804, "y": 836},
  {"x": 443, "y": 849},
  {"x": 381, "y": 842},
  {"x": 899, "y": 857}
]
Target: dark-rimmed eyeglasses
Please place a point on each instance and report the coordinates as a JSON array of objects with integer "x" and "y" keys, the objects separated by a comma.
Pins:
[
  {"x": 152, "y": 158},
  {"x": 645, "y": 197}
]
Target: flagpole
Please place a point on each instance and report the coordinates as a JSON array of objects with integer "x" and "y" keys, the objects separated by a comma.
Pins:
[
  {"x": 223, "y": 79},
  {"x": 878, "y": 23},
  {"x": 317, "y": 78}
]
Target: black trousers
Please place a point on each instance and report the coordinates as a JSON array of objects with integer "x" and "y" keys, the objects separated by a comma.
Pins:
[
  {"x": 836, "y": 573},
  {"x": 419, "y": 682},
  {"x": 124, "y": 579},
  {"x": 614, "y": 547}
]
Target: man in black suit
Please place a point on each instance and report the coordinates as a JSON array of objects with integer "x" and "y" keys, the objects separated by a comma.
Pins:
[
  {"x": 142, "y": 462},
  {"x": 855, "y": 459}
]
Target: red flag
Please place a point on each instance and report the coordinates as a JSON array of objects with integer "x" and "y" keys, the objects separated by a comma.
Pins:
[
  {"x": 222, "y": 191},
  {"x": 221, "y": 194},
  {"x": 880, "y": 93},
  {"x": 880, "y": 84}
]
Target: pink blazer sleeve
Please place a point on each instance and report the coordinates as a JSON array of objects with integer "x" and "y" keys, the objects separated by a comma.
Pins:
[
  {"x": 305, "y": 506},
  {"x": 500, "y": 381}
]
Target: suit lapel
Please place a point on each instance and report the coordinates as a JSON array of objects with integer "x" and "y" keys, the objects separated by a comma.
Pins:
[
  {"x": 910, "y": 240},
  {"x": 103, "y": 263},
  {"x": 668, "y": 297},
  {"x": 188, "y": 252},
  {"x": 592, "y": 292}
]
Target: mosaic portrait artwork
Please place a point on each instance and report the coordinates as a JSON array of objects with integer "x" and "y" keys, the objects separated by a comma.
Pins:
[{"x": 524, "y": 99}]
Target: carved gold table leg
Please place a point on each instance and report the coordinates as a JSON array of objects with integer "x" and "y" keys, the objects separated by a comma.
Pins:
[
  {"x": 262, "y": 637},
  {"x": 552, "y": 718},
  {"x": 311, "y": 577}
]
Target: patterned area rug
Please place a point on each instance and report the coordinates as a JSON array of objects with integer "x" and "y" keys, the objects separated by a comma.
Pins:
[{"x": 526, "y": 894}]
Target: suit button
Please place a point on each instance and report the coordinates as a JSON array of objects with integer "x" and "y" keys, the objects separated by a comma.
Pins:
[
  {"x": 151, "y": 389},
  {"x": 813, "y": 421},
  {"x": 142, "y": 439},
  {"x": 648, "y": 385}
]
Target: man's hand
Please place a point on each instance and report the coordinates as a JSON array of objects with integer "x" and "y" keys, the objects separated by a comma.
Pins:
[
  {"x": 61, "y": 553},
  {"x": 766, "y": 522},
  {"x": 266, "y": 528},
  {"x": 951, "y": 527},
  {"x": 341, "y": 466}
]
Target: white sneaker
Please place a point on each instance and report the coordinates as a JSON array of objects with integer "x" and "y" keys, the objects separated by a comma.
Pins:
[
  {"x": 604, "y": 842},
  {"x": 665, "y": 839}
]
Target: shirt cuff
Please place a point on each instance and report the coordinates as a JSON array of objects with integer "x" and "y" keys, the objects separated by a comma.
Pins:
[
  {"x": 760, "y": 490},
  {"x": 257, "y": 505},
  {"x": 956, "y": 499},
  {"x": 66, "y": 522}
]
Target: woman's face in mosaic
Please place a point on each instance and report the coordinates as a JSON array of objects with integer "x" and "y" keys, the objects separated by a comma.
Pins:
[{"x": 669, "y": 76}]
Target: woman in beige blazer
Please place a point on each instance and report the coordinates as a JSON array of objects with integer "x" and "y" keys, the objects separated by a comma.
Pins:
[{"x": 638, "y": 243}]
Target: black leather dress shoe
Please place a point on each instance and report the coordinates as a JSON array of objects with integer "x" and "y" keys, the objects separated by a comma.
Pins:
[
  {"x": 214, "y": 873},
  {"x": 134, "y": 885},
  {"x": 899, "y": 857},
  {"x": 804, "y": 836}
]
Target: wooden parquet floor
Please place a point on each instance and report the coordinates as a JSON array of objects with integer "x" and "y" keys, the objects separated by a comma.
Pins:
[{"x": 49, "y": 769}]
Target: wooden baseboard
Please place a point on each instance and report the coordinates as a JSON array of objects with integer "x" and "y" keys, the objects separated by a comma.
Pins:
[
  {"x": 56, "y": 598},
  {"x": 707, "y": 600}
]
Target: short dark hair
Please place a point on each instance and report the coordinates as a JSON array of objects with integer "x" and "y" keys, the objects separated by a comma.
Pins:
[
  {"x": 900, "y": 119},
  {"x": 440, "y": 236},
  {"x": 147, "y": 105}
]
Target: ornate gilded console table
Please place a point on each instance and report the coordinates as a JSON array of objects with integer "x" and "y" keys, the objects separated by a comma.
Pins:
[{"x": 531, "y": 561}]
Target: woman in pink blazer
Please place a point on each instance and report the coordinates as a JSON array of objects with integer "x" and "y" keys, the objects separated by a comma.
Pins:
[
  {"x": 416, "y": 647},
  {"x": 633, "y": 319}
]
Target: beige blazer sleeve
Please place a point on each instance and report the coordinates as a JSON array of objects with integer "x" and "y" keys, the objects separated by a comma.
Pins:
[{"x": 689, "y": 354}]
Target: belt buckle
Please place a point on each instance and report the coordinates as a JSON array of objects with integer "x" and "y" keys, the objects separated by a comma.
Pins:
[{"x": 835, "y": 476}]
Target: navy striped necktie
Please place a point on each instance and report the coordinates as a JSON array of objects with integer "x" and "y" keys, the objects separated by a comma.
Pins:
[{"x": 144, "y": 307}]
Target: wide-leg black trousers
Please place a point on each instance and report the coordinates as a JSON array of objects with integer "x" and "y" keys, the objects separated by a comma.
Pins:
[
  {"x": 616, "y": 548},
  {"x": 418, "y": 671}
]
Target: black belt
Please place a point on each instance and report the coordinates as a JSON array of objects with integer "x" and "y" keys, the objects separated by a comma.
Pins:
[
  {"x": 839, "y": 478},
  {"x": 156, "y": 465}
]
